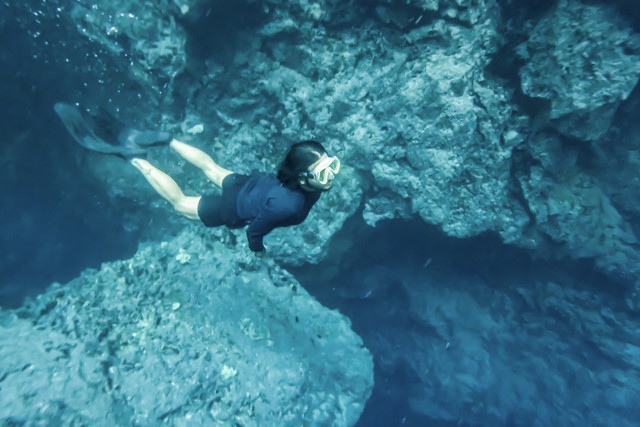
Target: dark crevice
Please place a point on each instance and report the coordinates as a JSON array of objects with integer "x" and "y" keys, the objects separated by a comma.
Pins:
[
  {"x": 519, "y": 13},
  {"x": 521, "y": 163},
  {"x": 364, "y": 277},
  {"x": 213, "y": 28},
  {"x": 506, "y": 63}
]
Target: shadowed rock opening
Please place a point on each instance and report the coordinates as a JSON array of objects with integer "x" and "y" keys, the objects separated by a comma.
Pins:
[{"x": 375, "y": 276}]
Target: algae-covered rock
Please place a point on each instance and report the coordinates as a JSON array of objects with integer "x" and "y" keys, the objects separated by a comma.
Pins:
[{"x": 186, "y": 332}]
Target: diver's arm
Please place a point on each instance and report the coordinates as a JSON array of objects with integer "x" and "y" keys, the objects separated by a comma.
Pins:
[
  {"x": 256, "y": 231},
  {"x": 276, "y": 213}
]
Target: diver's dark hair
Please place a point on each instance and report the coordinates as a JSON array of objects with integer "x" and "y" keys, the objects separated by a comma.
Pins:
[{"x": 300, "y": 156}]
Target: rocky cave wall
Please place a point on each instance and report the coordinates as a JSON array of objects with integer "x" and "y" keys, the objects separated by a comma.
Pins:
[{"x": 475, "y": 116}]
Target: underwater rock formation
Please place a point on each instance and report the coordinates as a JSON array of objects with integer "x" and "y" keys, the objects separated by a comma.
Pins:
[
  {"x": 186, "y": 332},
  {"x": 585, "y": 61},
  {"x": 410, "y": 95},
  {"x": 572, "y": 213}
]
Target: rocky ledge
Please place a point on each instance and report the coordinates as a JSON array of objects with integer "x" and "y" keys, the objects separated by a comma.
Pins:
[{"x": 187, "y": 332}]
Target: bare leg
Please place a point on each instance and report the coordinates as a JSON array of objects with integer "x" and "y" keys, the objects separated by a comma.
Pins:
[
  {"x": 167, "y": 188},
  {"x": 201, "y": 160}
]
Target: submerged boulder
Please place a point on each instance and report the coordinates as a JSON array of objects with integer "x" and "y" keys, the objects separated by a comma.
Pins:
[{"x": 188, "y": 331}]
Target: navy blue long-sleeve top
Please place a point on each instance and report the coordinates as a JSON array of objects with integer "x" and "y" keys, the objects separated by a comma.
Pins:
[{"x": 266, "y": 204}]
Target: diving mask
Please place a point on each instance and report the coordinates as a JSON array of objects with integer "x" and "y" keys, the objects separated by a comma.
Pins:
[{"x": 325, "y": 170}]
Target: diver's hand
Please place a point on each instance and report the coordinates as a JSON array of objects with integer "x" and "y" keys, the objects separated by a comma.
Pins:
[
  {"x": 253, "y": 261},
  {"x": 262, "y": 253}
]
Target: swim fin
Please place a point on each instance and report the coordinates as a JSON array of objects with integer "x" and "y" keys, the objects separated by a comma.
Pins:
[
  {"x": 85, "y": 130},
  {"x": 143, "y": 138}
]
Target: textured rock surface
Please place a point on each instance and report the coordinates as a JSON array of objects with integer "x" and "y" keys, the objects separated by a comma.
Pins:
[
  {"x": 187, "y": 332},
  {"x": 584, "y": 60},
  {"x": 409, "y": 95},
  {"x": 571, "y": 210}
]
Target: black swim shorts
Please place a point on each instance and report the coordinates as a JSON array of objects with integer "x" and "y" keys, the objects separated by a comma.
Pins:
[{"x": 215, "y": 210}]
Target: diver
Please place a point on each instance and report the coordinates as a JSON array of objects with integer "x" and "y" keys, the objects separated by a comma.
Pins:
[{"x": 259, "y": 201}]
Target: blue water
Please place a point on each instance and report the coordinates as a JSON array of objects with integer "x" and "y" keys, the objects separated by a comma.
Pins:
[{"x": 56, "y": 221}]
